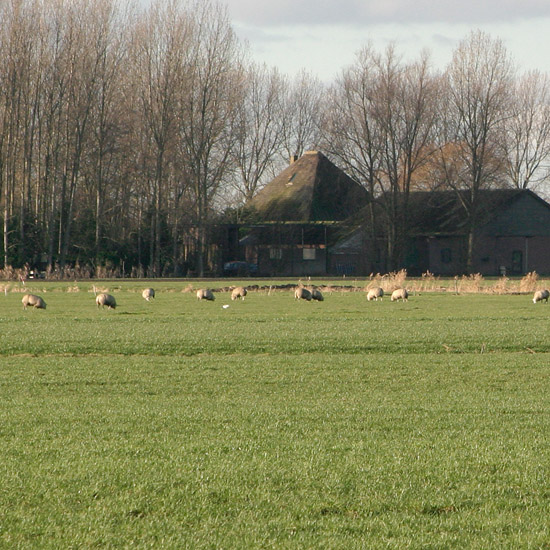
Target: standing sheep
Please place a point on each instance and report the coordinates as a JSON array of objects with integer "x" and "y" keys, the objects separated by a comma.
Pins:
[
  {"x": 302, "y": 293},
  {"x": 541, "y": 295},
  {"x": 148, "y": 293},
  {"x": 238, "y": 292},
  {"x": 400, "y": 294},
  {"x": 33, "y": 301},
  {"x": 316, "y": 294},
  {"x": 374, "y": 294},
  {"x": 104, "y": 299},
  {"x": 205, "y": 294}
]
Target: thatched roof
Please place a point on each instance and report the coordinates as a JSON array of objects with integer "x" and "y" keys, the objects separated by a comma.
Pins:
[{"x": 311, "y": 189}]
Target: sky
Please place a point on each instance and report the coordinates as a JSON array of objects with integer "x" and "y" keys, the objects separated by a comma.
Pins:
[{"x": 323, "y": 36}]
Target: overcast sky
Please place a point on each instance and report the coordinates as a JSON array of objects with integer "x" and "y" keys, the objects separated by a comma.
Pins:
[{"x": 323, "y": 36}]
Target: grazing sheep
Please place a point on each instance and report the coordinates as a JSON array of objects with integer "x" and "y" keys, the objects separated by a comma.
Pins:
[
  {"x": 541, "y": 295},
  {"x": 316, "y": 294},
  {"x": 400, "y": 294},
  {"x": 33, "y": 301},
  {"x": 104, "y": 299},
  {"x": 148, "y": 293},
  {"x": 205, "y": 294},
  {"x": 302, "y": 293},
  {"x": 374, "y": 294},
  {"x": 238, "y": 292}
]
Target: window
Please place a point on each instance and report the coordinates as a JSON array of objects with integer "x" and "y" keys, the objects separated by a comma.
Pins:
[
  {"x": 309, "y": 253},
  {"x": 275, "y": 253},
  {"x": 517, "y": 261},
  {"x": 446, "y": 255}
]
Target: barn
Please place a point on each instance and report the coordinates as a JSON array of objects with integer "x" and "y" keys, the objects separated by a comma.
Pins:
[{"x": 512, "y": 236}]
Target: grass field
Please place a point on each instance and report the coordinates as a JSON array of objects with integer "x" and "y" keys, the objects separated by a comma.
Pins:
[{"x": 273, "y": 423}]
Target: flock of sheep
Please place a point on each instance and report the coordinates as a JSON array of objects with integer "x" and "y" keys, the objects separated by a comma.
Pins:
[
  {"x": 102, "y": 300},
  {"x": 239, "y": 293}
]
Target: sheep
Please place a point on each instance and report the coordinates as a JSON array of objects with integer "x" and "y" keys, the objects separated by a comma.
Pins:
[
  {"x": 238, "y": 292},
  {"x": 148, "y": 293},
  {"x": 35, "y": 301},
  {"x": 541, "y": 295},
  {"x": 316, "y": 294},
  {"x": 104, "y": 299},
  {"x": 374, "y": 294},
  {"x": 302, "y": 293},
  {"x": 400, "y": 294},
  {"x": 205, "y": 294}
]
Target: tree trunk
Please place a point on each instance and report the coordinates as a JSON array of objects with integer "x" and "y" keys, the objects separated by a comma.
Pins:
[
  {"x": 6, "y": 230},
  {"x": 470, "y": 250}
]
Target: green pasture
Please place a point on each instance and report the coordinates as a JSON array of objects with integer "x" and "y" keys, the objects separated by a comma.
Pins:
[{"x": 273, "y": 423}]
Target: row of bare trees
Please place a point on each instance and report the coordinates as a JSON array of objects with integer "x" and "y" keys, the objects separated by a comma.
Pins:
[{"x": 124, "y": 133}]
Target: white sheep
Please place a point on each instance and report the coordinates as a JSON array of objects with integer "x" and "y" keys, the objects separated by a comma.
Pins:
[
  {"x": 205, "y": 294},
  {"x": 148, "y": 293},
  {"x": 302, "y": 293},
  {"x": 238, "y": 292},
  {"x": 316, "y": 294},
  {"x": 541, "y": 295},
  {"x": 400, "y": 294},
  {"x": 34, "y": 301},
  {"x": 104, "y": 299},
  {"x": 375, "y": 293}
]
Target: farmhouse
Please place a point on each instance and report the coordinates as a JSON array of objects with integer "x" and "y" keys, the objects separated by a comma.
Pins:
[{"x": 297, "y": 216}]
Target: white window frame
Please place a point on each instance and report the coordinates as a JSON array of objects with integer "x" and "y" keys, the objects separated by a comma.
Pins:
[{"x": 309, "y": 254}]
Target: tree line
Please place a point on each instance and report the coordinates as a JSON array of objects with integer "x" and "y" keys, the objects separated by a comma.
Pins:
[{"x": 127, "y": 134}]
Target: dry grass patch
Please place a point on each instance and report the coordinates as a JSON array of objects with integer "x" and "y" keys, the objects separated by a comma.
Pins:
[
  {"x": 529, "y": 282},
  {"x": 388, "y": 282}
]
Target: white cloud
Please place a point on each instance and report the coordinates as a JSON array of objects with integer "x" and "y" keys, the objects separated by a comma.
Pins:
[
  {"x": 369, "y": 12},
  {"x": 323, "y": 36},
  {"x": 325, "y": 50}
]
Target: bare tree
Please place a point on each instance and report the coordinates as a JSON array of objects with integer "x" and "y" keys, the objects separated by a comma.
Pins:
[
  {"x": 109, "y": 117},
  {"x": 259, "y": 128},
  {"x": 301, "y": 111},
  {"x": 479, "y": 80},
  {"x": 351, "y": 132},
  {"x": 87, "y": 37},
  {"x": 527, "y": 136},
  {"x": 18, "y": 113},
  {"x": 161, "y": 39},
  {"x": 379, "y": 124},
  {"x": 406, "y": 113},
  {"x": 208, "y": 101}
]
